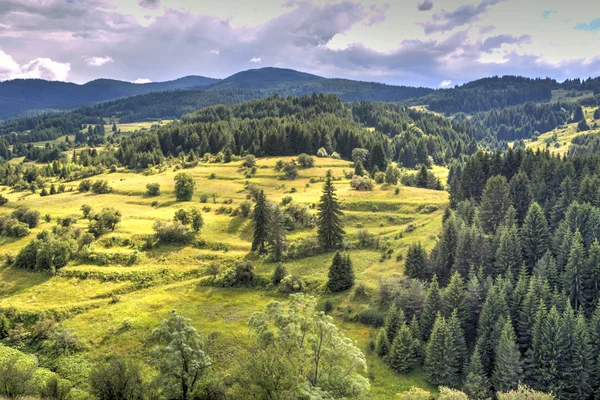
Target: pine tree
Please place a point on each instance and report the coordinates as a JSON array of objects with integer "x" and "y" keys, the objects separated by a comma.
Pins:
[
  {"x": 592, "y": 278},
  {"x": 508, "y": 254},
  {"x": 474, "y": 299},
  {"x": 435, "y": 367},
  {"x": 433, "y": 304},
  {"x": 277, "y": 234},
  {"x": 575, "y": 368},
  {"x": 393, "y": 321},
  {"x": 566, "y": 198},
  {"x": 415, "y": 264},
  {"x": 548, "y": 349},
  {"x": 447, "y": 250},
  {"x": 578, "y": 115},
  {"x": 494, "y": 311},
  {"x": 341, "y": 274},
  {"x": 494, "y": 203},
  {"x": 377, "y": 158},
  {"x": 597, "y": 113},
  {"x": 403, "y": 356},
  {"x": 546, "y": 269},
  {"x": 382, "y": 345},
  {"x": 260, "y": 222},
  {"x": 465, "y": 249},
  {"x": 507, "y": 369},
  {"x": 453, "y": 298},
  {"x": 594, "y": 341},
  {"x": 574, "y": 278},
  {"x": 476, "y": 386},
  {"x": 534, "y": 235},
  {"x": 359, "y": 169},
  {"x": 456, "y": 350},
  {"x": 330, "y": 227},
  {"x": 521, "y": 195}
]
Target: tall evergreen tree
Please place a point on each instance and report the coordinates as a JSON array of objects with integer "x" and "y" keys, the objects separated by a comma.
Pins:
[
  {"x": 507, "y": 369},
  {"x": 573, "y": 277},
  {"x": 415, "y": 263},
  {"x": 359, "y": 169},
  {"x": 474, "y": 298},
  {"x": 592, "y": 278},
  {"x": 446, "y": 250},
  {"x": 433, "y": 304},
  {"x": 521, "y": 195},
  {"x": 534, "y": 235},
  {"x": 575, "y": 368},
  {"x": 494, "y": 311},
  {"x": 508, "y": 254},
  {"x": 453, "y": 298},
  {"x": 277, "y": 234},
  {"x": 403, "y": 354},
  {"x": 260, "y": 222},
  {"x": 494, "y": 203},
  {"x": 476, "y": 386},
  {"x": 549, "y": 350},
  {"x": 377, "y": 157},
  {"x": 456, "y": 348},
  {"x": 341, "y": 274},
  {"x": 394, "y": 320},
  {"x": 434, "y": 366},
  {"x": 330, "y": 226},
  {"x": 382, "y": 344}
]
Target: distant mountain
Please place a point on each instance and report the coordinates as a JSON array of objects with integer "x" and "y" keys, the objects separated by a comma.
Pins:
[{"x": 27, "y": 96}]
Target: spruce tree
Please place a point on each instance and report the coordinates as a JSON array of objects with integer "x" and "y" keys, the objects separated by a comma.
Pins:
[
  {"x": 433, "y": 304},
  {"x": 578, "y": 115},
  {"x": 592, "y": 278},
  {"x": 534, "y": 235},
  {"x": 330, "y": 227},
  {"x": 382, "y": 345},
  {"x": 566, "y": 198},
  {"x": 508, "y": 254},
  {"x": 434, "y": 365},
  {"x": 456, "y": 349},
  {"x": 521, "y": 195},
  {"x": 446, "y": 250},
  {"x": 597, "y": 113},
  {"x": 575, "y": 368},
  {"x": 359, "y": 169},
  {"x": 377, "y": 158},
  {"x": 507, "y": 369},
  {"x": 277, "y": 234},
  {"x": 573, "y": 277},
  {"x": 476, "y": 386},
  {"x": 594, "y": 341},
  {"x": 453, "y": 298},
  {"x": 465, "y": 249},
  {"x": 494, "y": 311},
  {"x": 494, "y": 203},
  {"x": 394, "y": 320},
  {"x": 260, "y": 222},
  {"x": 549, "y": 350},
  {"x": 341, "y": 274},
  {"x": 403, "y": 353},
  {"x": 415, "y": 263},
  {"x": 474, "y": 299}
]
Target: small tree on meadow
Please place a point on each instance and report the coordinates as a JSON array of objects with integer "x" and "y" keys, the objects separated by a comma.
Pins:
[
  {"x": 184, "y": 186},
  {"x": 341, "y": 274},
  {"x": 330, "y": 227}
]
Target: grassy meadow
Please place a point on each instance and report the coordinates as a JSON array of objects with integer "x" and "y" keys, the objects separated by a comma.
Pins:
[{"x": 113, "y": 308}]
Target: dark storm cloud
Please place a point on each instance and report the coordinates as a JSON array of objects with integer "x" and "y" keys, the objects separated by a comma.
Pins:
[
  {"x": 425, "y": 5},
  {"x": 463, "y": 15}
]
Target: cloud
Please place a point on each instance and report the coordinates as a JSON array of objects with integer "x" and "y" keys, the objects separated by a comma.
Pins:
[
  {"x": 142, "y": 80},
  {"x": 547, "y": 13},
  {"x": 97, "y": 61},
  {"x": 446, "y": 83},
  {"x": 149, "y": 4},
  {"x": 256, "y": 60},
  {"x": 495, "y": 42},
  {"x": 40, "y": 68},
  {"x": 377, "y": 14},
  {"x": 425, "y": 5},
  {"x": 486, "y": 29},
  {"x": 593, "y": 26},
  {"x": 216, "y": 52},
  {"x": 463, "y": 15}
]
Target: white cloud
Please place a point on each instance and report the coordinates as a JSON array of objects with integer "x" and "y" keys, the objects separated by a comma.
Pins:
[
  {"x": 446, "y": 83},
  {"x": 97, "y": 61},
  {"x": 142, "y": 80},
  {"x": 216, "y": 52},
  {"x": 41, "y": 68},
  {"x": 256, "y": 60}
]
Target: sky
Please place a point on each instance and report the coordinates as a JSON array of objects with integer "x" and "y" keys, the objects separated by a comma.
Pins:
[{"x": 434, "y": 43}]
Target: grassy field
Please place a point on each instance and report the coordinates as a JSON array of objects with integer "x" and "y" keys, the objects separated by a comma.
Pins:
[
  {"x": 108, "y": 309},
  {"x": 558, "y": 141}
]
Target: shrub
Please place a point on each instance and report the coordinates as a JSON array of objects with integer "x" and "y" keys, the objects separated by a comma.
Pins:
[
  {"x": 278, "y": 274},
  {"x": 56, "y": 389},
  {"x": 12, "y": 227},
  {"x": 174, "y": 232},
  {"x": 290, "y": 170},
  {"x": 153, "y": 189},
  {"x": 245, "y": 209},
  {"x": 85, "y": 185},
  {"x": 240, "y": 275},
  {"x": 116, "y": 378},
  {"x": 16, "y": 377},
  {"x": 371, "y": 316},
  {"x": 87, "y": 210},
  {"x": 361, "y": 183},
  {"x": 379, "y": 178},
  {"x": 291, "y": 284},
  {"x": 184, "y": 186},
  {"x": 335, "y": 156},
  {"x": 249, "y": 161},
  {"x": 3, "y": 200},
  {"x": 286, "y": 200},
  {"x": 322, "y": 152},
  {"x": 306, "y": 161},
  {"x": 301, "y": 214}
]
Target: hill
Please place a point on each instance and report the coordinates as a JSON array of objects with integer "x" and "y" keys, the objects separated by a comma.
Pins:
[{"x": 25, "y": 96}]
